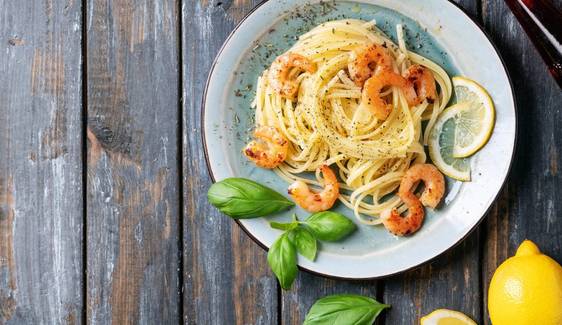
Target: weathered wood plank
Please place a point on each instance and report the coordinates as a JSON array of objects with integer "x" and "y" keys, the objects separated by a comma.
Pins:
[
  {"x": 41, "y": 210},
  {"x": 471, "y": 7},
  {"x": 132, "y": 185},
  {"x": 530, "y": 206},
  {"x": 450, "y": 281},
  {"x": 226, "y": 277}
]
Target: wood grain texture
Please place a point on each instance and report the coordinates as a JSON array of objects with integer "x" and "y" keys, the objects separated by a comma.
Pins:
[
  {"x": 132, "y": 185},
  {"x": 450, "y": 281},
  {"x": 41, "y": 210},
  {"x": 472, "y": 7},
  {"x": 226, "y": 277},
  {"x": 530, "y": 206}
]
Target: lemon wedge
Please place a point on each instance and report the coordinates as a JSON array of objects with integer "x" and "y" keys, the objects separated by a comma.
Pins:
[
  {"x": 442, "y": 142},
  {"x": 446, "y": 317},
  {"x": 474, "y": 123}
]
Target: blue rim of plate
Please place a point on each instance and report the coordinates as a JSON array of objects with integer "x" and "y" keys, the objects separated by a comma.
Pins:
[{"x": 262, "y": 245}]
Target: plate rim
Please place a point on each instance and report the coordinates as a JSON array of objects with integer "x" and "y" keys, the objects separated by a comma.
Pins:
[{"x": 438, "y": 254}]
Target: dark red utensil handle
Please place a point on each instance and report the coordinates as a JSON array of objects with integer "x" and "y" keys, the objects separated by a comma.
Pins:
[{"x": 551, "y": 20}]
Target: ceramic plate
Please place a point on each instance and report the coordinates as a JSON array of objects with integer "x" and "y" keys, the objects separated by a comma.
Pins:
[{"x": 436, "y": 29}]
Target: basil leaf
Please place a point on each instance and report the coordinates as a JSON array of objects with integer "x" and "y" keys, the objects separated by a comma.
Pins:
[
  {"x": 283, "y": 226},
  {"x": 344, "y": 310},
  {"x": 329, "y": 226},
  {"x": 282, "y": 258},
  {"x": 242, "y": 198},
  {"x": 304, "y": 242}
]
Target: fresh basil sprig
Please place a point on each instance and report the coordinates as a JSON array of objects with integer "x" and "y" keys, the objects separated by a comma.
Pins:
[
  {"x": 282, "y": 258},
  {"x": 344, "y": 310},
  {"x": 301, "y": 237},
  {"x": 283, "y": 226},
  {"x": 304, "y": 241},
  {"x": 242, "y": 198},
  {"x": 329, "y": 226}
]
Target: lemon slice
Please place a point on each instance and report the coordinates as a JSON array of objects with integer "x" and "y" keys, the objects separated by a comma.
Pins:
[
  {"x": 476, "y": 122},
  {"x": 447, "y": 317},
  {"x": 442, "y": 141}
]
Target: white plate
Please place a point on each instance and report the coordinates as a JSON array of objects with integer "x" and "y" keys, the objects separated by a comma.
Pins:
[{"x": 449, "y": 37}]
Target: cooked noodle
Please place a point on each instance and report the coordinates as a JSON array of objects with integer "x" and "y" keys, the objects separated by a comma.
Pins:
[{"x": 326, "y": 125}]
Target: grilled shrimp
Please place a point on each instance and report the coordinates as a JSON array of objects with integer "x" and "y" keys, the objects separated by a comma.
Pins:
[
  {"x": 434, "y": 183},
  {"x": 312, "y": 201},
  {"x": 434, "y": 189},
  {"x": 269, "y": 150},
  {"x": 370, "y": 97},
  {"x": 279, "y": 73},
  {"x": 422, "y": 83},
  {"x": 366, "y": 60},
  {"x": 402, "y": 226}
]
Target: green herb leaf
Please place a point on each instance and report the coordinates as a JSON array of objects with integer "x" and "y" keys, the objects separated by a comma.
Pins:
[
  {"x": 282, "y": 258},
  {"x": 283, "y": 226},
  {"x": 304, "y": 242},
  {"x": 344, "y": 310},
  {"x": 242, "y": 198},
  {"x": 329, "y": 226}
]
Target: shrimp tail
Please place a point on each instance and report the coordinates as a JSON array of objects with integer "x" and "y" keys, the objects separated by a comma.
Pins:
[
  {"x": 279, "y": 73},
  {"x": 269, "y": 149},
  {"x": 371, "y": 95},
  {"x": 313, "y": 201},
  {"x": 403, "y": 226},
  {"x": 421, "y": 85},
  {"x": 434, "y": 190}
]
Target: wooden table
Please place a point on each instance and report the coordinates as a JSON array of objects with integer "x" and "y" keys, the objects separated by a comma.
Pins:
[{"x": 103, "y": 210}]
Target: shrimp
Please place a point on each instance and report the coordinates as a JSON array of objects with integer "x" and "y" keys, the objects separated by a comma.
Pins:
[
  {"x": 270, "y": 149},
  {"x": 315, "y": 202},
  {"x": 279, "y": 73},
  {"x": 434, "y": 189},
  {"x": 434, "y": 183},
  {"x": 365, "y": 60},
  {"x": 402, "y": 226},
  {"x": 422, "y": 85},
  {"x": 370, "y": 97}
]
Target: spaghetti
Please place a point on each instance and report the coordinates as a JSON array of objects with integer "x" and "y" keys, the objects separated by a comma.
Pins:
[{"x": 326, "y": 124}]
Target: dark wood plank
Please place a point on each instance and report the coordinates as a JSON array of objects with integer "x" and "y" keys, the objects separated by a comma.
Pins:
[
  {"x": 226, "y": 278},
  {"x": 496, "y": 245},
  {"x": 451, "y": 281},
  {"x": 530, "y": 205},
  {"x": 132, "y": 185},
  {"x": 471, "y": 7},
  {"x": 41, "y": 210}
]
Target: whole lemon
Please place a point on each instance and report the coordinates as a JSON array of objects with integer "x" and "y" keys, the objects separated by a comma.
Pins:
[{"x": 526, "y": 289}]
